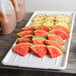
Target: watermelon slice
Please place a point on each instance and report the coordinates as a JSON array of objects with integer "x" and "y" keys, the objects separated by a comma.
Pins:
[
  {"x": 28, "y": 36},
  {"x": 41, "y": 33},
  {"x": 56, "y": 38},
  {"x": 54, "y": 43},
  {"x": 63, "y": 24},
  {"x": 37, "y": 41},
  {"x": 39, "y": 50},
  {"x": 60, "y": 33},
  {"x": 27, "y": 44},
  {"x": 54, "y": 51},
  {"x": 61, "y": 28},
  {"x": 23, "y": 40},
  {"x": 29, "y": 28},
  {"x": 22, "y": 49},
  {"x": 23, "y": 33},
  {"x": 45, "y": 28},
  {"x": 40, "y": 37}
]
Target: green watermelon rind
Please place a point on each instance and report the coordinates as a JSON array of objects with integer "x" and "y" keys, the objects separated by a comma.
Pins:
[
  {"x": 38, "y": 45},
  {"x": 37, "y": 36},
  {"x": 41, "y": 30},
  {"x": 63, "y": 27},
  {"x": 24, "y": 31},
  {"x": 59, "y": 30},
  {"x": 46, "y": 26},
  {"x": 54, "y": 41},
  {"x": 24, "y": 38},
  {"x": 57, "y": 43},
  {"x": 27, "y": 27},
  {"x": 22, "y": 43},
  {"x": 55, "y": 35},
  {"x": 56, "y": 48}
]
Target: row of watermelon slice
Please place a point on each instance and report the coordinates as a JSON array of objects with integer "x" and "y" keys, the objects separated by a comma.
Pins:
[{"x": 42, "y": 40}]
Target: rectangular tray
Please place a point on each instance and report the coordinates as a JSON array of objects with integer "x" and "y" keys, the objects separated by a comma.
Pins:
[{"x": 31, "y": 61}]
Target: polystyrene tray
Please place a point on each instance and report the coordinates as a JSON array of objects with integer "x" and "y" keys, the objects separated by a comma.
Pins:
[{"x": 32, "y": 61}]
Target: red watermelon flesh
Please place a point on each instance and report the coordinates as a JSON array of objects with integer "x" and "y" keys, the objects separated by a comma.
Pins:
[
  {"x": 37, "y": 41},
  {"x": 23, "y": 40},
  {"x": 28, "y": 36},
  {"x": 60, "y": 33},
  {"x": 29, "y": 28},
  {"x": 41, "y": 33},
  {"x": 23, "y": 33},
  {"x": 39, "y": 50},
  {"x": 54, "y": 43},
  {"x": 56, "y": 38},
  {"x": 45, "y": 28},
  {"x": 61, "y": 28},
  {"x": 21, "y": 49},
  {"x": 54, "y": 51}
]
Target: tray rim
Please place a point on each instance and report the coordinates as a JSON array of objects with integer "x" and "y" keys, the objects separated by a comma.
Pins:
[{"x": 69, "y": 42}]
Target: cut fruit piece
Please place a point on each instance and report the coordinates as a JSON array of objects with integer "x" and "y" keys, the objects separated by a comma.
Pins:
[
  {"x": 37, "y": 41},
  {"x": 39, "y": 50},
  {"x": 27, "y": 44},
  {"x": 60, "y": 33},
  {"x": 40, "y": 37},
  {"x": 45, "y": 28},
  {"x": 54, "y": 51},
  {"x": 23, "y": 40},
  {"x": 21, "y": 34},
  {"x": 28, "y": 36},
  {"x": 61, "y": 28},
  {"x": 64, "y": 24},
  {"x": 35, "y": 25},
  {"x": 22, "y": 49},
  {"x": 56, "y": 38},
  {"x": 41, "y": 33},
  {"x": 54, "y": 43},
  {"x": 29, "y": 28}
]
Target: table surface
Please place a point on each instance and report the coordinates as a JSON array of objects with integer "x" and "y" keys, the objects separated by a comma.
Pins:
[{"x": 6, "y": 42}]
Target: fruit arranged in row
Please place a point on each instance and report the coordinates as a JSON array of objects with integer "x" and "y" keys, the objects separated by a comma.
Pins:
[{"x": 42, "y": 40}]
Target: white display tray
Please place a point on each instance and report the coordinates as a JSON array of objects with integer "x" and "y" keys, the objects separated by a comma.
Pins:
[{"x": 32, "y": 61}]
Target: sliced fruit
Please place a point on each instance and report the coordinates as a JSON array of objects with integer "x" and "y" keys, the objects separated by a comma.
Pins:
[
  {"x": 28, "y": 36},
  {"x": 54, "y": 51},
  {"x": 41, "y": 33},
  {"x": 39, "y": 50},
  {"x": 22, "y": 49},
  {"x": 61, "y": 28},
  {"x": 21, "y": 34},
  {"x": 40, "y": 37},
  {"x": 45, "y": 28},
  {"x": 37, "y": 41},
  {"x": 35, "y": 25},
  {"x": 27, "y": 44},
  {"x": 54, "y": 43},
  {"x": 23, "y": 40},
  {"x": 29, "y": 28},
  {"x": 64, "y": 24},
  {"x": 56, "y": 38},
  {"x": 60, "y": 33}
]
